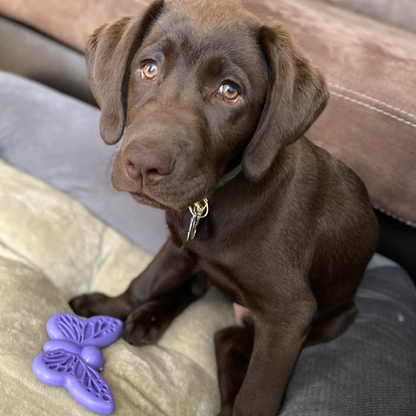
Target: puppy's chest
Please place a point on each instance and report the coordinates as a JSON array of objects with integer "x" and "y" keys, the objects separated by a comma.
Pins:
[
  {"x": 209, "y": 234},
  {"x": 214, "y": 242},
  {"x": 219, "y": 248}
]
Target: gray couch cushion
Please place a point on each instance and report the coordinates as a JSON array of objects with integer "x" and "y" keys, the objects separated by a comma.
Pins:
[
  {"x": 370, "y": 370},
  {"x": 31, "y": 54},
  {"x": 55, "y": 138}
]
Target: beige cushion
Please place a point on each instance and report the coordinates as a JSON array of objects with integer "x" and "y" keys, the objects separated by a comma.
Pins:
[
  {"x": 52, "y": 249},
  {"x": 370, "y": 122}
]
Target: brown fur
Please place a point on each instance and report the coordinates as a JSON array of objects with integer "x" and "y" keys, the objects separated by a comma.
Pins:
[{"x": 289, "y": 237}]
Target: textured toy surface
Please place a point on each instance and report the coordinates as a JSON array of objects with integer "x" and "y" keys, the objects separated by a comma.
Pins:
[{"x": 73, "y": 358}]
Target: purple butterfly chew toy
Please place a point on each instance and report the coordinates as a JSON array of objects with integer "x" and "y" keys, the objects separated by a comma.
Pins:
[{"x": 73, "y": 358}]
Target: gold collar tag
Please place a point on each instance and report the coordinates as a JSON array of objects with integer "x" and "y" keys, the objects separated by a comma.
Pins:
[{"x": 198, "y": 210}]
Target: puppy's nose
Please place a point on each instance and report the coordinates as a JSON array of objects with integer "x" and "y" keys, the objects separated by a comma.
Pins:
[{"x": 146, "y": 162}]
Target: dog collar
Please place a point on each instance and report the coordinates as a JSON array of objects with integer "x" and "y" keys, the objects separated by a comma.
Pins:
[
  {"x": 200, "y": 209},
  {"x": 230, "y": 175}
]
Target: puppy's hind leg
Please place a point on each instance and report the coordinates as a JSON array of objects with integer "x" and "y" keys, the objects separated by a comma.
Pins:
[
  {"x": 330, "y": 325},
  {"x": 233, "y": 348}
]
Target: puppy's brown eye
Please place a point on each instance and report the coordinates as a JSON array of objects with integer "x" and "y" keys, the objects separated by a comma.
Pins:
[
  {"x": 148, "y": 71},
  {"x": 229, "y": 93}
]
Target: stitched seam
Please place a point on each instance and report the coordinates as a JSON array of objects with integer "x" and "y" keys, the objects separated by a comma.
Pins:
[
  {"x": 390, "y": 214},
  {"x": 372, "y": 99},
  {"x": 345, "y": 97}
]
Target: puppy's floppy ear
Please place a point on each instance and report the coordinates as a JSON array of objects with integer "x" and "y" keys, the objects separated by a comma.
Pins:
[
  {"x": 297, "y": 94},
  {"x": 109, "y": 53}
]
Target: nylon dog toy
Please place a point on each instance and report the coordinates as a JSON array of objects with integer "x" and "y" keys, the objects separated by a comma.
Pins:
[{"x": 72, "y": 358}]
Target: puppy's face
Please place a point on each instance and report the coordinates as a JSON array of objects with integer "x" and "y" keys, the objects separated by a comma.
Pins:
[{"x": 194, "y": 88}]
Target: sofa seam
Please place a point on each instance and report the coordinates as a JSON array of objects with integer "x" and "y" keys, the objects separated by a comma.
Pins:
[
  {"x": 372, "y": 99},
  {"x": 394, "y": 216},
  {"x": 98, "y": 260},
  {"x": 401, "y": 120},
  {"x": 26, "y": 261}
]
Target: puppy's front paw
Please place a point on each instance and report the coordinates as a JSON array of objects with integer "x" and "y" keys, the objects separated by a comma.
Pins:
[
  {"x": 146, "y": 324},
  {"x": 90, "y": 304}
]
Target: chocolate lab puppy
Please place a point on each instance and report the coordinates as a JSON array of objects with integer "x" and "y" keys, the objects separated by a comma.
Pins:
[{"x": 199, "y": 91}]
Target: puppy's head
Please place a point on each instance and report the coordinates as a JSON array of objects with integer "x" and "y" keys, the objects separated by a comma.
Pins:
[{"x": 194, "y": 88}]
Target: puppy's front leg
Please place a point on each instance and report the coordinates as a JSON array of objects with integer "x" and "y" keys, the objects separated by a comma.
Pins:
[
  {"x": 280, "y": 331},
  {"x": 147, "y": 323},
  {"x": 171, "y": 267}
]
